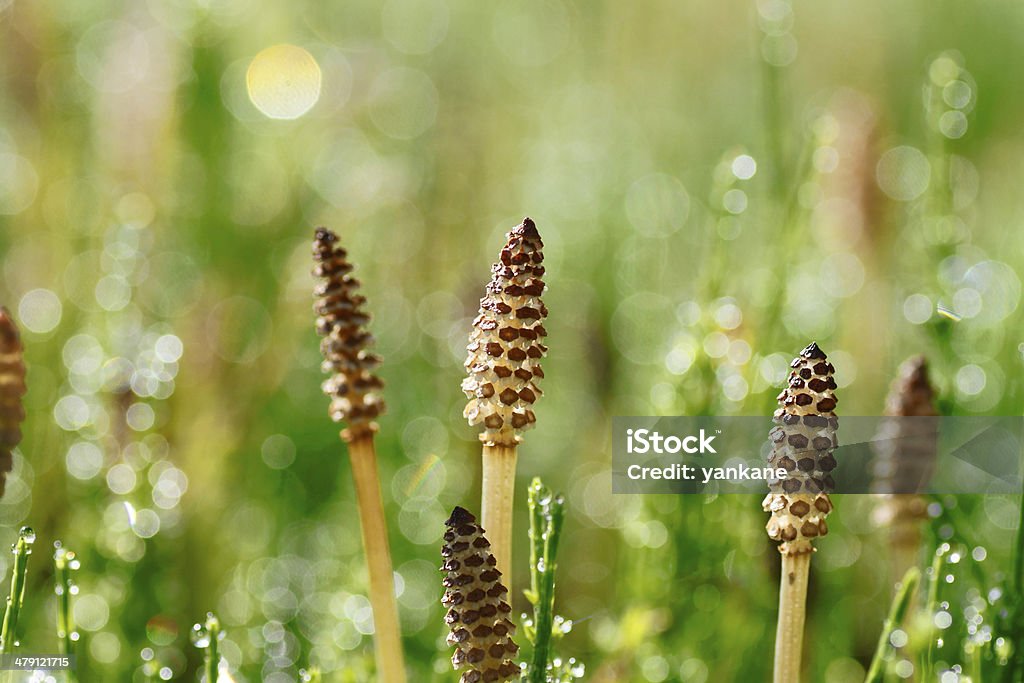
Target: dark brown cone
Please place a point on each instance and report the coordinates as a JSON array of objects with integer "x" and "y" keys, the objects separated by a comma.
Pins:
[
  {"x": 341, "y": 321},
  {"x": 906, "y": 449},
  {"x": 478, "y": 612},
  {"x": 507, "y": 341},
  {"x": 803, "y": 441},
  {"x": 12, "y": 389}
]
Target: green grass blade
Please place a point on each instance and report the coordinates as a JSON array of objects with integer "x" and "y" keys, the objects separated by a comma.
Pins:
[{"x": 898, "y": 609}]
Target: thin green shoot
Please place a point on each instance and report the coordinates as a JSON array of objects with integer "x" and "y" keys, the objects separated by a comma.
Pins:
[
  {"x": 65, "y": 562},
  {"x": 897, "y": 612},
  {"x": 547, "y": 514},
  {"x": 207, "y": 637},
  {"x": 16, "y": 600}
]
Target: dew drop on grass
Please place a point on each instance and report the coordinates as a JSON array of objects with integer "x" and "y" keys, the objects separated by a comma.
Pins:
[
  {"x": 898, "y": 638},
  {"x": 27, "y": 534},
  {"x": 200, "y": 637}
]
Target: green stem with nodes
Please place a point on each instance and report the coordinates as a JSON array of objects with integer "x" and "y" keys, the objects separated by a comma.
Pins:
[
  {"x": 64, "y": 563},
  {"x": 547, "y": 513},
  {"x": 22, "y": 549},
  {"x": 897, "y": 611}
]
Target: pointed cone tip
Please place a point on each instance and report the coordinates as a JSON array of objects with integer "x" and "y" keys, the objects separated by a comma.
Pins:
[
  {"x": 460, "y": 516},
  {"x": 527, "y": 229},
  {"x": 812, "y": 350},
  {"x": 322, "y": 234},
  {"x": 8, "y": 328}
]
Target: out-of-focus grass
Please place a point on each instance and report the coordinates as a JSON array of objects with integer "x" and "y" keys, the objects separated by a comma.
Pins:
[{"x": 154, "y": 230}]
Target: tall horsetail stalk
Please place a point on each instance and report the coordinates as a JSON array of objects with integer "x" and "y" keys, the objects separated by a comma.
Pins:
[
  {"x": 22, "y": 548},
  {"x": 12, "y": 389},
  {"x": 503, "y": 365},
  {"x": 803, "y": 440},
  {"x": 905, "y": 456},
  {"x": 355, "y": 400},
  {"x": 547, "y": 513},
  {"x": 64, "y": 563},
  {"x": 478, "y": 611}
]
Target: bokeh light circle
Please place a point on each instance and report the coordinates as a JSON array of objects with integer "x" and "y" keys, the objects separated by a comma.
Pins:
[
  {"x": 903, "y": 173},
  {"x": 283, "y": 81},
  {"x": 403, "y": 102}
]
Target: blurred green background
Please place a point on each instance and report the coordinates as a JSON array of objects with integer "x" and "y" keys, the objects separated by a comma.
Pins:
[{"x": 717, "y": 184}]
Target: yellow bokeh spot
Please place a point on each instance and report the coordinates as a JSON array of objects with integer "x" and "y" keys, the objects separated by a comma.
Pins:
[{"x": 283, "y": 81}]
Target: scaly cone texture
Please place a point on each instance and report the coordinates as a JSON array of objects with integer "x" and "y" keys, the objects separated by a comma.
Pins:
[
  {"x": 12, "y": 389},
  {"x": 905, "y": 451},
  {"x": 505, "y": 346},
  {"x": 477, "y": 610},
  {"x": 802, "y": 444},
  {"x": 353, "y": 387}
]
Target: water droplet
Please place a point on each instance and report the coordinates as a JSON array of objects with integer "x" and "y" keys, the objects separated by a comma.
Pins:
[
  {"x": 27, "y": 534},
  {"x": 199, "y": 636}
]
